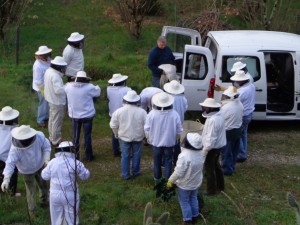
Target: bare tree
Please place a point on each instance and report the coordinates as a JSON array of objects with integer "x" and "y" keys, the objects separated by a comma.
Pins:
[
  {"x": 133, "y": 12},
  {"x": 11, "y": 12}
]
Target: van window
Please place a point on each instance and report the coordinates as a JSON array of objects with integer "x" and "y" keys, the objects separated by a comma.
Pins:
[
  {"x": 196, "y": 67},
  {"x": 177, "y": 42},
  {"x": 212, "y": 47},
  {"x": 252, "y": 62}
]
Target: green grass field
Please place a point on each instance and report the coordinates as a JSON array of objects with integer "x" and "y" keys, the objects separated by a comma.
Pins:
[{"x": 256, "y": 193}]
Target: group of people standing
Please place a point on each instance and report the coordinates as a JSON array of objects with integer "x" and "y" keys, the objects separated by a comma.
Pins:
[{"x": 155, "y": 116}]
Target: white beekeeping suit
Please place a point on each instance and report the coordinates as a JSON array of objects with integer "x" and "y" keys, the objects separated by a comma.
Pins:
[{"x": 61, "y": 172}]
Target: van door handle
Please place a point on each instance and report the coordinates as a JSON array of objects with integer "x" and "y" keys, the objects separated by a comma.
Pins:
[{"x": 259, "y": 90}]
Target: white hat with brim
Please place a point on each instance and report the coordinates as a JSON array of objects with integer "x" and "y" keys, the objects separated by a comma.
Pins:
[
  {"x": 162, "y": 99},
  {"x": 23, "y": 132},
  {"x": 8, "y": 113},
  {"x": 131, "y": 96},
  {"x": 238, "y": 66},
  {"x": 43, "y": 50},
  {"x": 240, "y": 75},
  {"x": 65, "y": 146},
  {"x": 195, "y": 140},
  {"x": 231, "y": 92},
  {"x": 116, "y": 78},
  {"x": 210, "y": 103},
  {"x": 81, "y": 74},
  {"x": 174, "y": 87},
  {"x": 74, "y": 37},
  {"x": 58, "y": 60}
]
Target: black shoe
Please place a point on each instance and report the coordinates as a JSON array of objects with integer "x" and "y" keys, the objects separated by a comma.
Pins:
[{"x": 240, "y": 160}]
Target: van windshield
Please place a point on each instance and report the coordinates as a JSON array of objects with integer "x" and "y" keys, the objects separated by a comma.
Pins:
[{"x": 252, "y": 63}]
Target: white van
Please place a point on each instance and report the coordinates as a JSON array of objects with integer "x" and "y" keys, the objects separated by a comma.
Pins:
[{"x": 272, "y": 58}]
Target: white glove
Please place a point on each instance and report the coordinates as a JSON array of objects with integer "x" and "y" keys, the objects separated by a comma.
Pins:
[
  {"x": 115, "y": 131},
  {"x": 46, "y": 158},
  {"x": 5, "y": 183}
]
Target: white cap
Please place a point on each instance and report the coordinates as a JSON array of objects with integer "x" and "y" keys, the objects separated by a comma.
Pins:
[
  {"x": 174, "y": 87},
  {"x": 58, "y": 60},
  {"x": 231, "y": 92},
  {"x": 240, "y": 75},
  {"x": 23, "y": 132},
  {"x": 131, "y": 96},
  {"x": 74, "y": 37},
  {"x": 162, "y": 99},
  {"x": 116, "y": 78},
  {"x": 210, "y": 103},
  {"x": 43, "y": 50},
  {"x": 8, "y": 113},
  {"x": 168, "y": 68},
  {"x": 65, "y": 144},
  {"x": 238, "y": 66},
  {"x": 195, "y": 140}
]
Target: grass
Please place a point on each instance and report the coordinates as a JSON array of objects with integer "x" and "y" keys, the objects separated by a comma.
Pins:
[{"x": 259, "y": 185}]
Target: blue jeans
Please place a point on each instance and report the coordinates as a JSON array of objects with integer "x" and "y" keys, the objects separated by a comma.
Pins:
[
  {"x": 155, "y": 81},
  {"x": 126, "y": 147},
  {"x": 43, "y": 109},
  {"x": 87, "y": 125},
  {"x": 188, "y": 203},
  {"x": 158, "y": 153},
  {"x": 244, "y": 138},
  {"x": 230, "y": 150},
  {"x": 115, "y": 145}
]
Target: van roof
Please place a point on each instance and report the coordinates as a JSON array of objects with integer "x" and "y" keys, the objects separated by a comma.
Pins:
[{"x": 257, "y": 40}]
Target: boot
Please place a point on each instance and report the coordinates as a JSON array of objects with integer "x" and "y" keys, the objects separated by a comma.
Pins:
[{"x": 188, "y": 222}]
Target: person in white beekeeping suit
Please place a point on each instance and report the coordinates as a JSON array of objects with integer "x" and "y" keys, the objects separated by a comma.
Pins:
[
  {"x": 56, "y": 97},
  {"x": 146, "y": 96},
  {"x": 41, "y": 64},
  {"x": 73, "y": 54},
  {"x": 61, "y": 172},
  {"x": 116, "y": 90},
  {"x": 8, "y": 121},
  {"x": 29, "y": 152},
  {"x": 180, "y": 105}
]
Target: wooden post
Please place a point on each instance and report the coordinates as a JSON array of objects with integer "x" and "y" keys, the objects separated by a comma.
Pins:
[{"x": 17, "y": 44}]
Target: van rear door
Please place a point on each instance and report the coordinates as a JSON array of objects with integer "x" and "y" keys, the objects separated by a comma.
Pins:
[
  {"x": 178, "y": 37},
  {"x": 197, "y": 74}
]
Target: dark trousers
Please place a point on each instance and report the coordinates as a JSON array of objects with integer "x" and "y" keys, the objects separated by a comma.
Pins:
[
  {"x": 213, "y": 172},
  {"x": 13, "y": 180},
  {"x": 87, "y": 124}
]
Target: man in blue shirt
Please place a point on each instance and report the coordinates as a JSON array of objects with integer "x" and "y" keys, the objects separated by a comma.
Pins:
[{"x": 160, "y": 54}]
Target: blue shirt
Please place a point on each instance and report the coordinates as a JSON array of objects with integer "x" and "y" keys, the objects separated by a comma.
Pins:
[{"x": 159, "y": 56}]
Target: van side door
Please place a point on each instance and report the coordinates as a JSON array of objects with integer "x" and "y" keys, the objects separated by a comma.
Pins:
[{"x": 197, "y": 74}]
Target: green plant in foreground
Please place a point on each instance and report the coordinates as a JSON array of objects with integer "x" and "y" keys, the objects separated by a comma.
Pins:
[
  {"x": 294, "y": 204},
  {"x": 148, "y": 217}
]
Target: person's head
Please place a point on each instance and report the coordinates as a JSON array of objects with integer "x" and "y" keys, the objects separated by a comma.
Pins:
[
  {"x": 210, "y": 105},
  {"x": 43, "y": 53},
  {"x": 59, "y": 64},
  {"x": 81, "y": 77},
  {"x": 65, "y": 146},
  {"x": 240, "y": 78},
  {"x": 162, "y": 101},
  {"x": 118, "y": 80},
  {"x": 174, "y": 87},
  {"x": 23, "y": 136},
  {"x": 161, "y": 42},
  {"x": 132, "y": 98},
  {"x": 230, "y": 93},
  {"x": 76, "y": 40},
  {"x": 9, "y": 116},
  {"x": 239, "y": 66},
  {"x": 192, "y": 141}
]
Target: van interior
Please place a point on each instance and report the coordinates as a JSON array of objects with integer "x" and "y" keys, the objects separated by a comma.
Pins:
[{"x": 280, "y": 81}]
